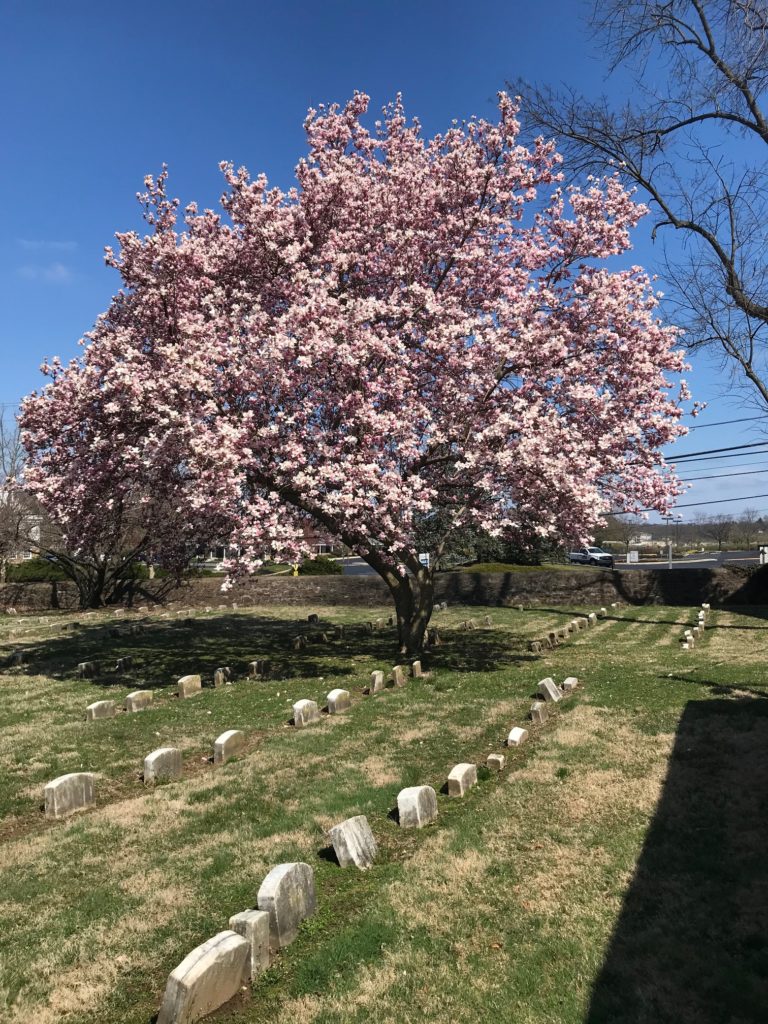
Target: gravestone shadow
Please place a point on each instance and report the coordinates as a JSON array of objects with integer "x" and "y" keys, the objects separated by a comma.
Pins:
[{"x": 691, "y": 942}]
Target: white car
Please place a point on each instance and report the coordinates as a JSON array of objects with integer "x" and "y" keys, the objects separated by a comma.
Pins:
[{"x": 591, "y": 556}]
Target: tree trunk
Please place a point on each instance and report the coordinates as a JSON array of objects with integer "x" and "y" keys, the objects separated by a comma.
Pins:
[{"x": 414, "y": 598}]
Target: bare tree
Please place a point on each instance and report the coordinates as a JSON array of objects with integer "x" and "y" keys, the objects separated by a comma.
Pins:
[
  {"x": 717, "y": 528},
  {"x": 694, "y": 139},
  {"x": 18, "y": 522},
  {"x": 622, "y": 528},
  {"x": 748, "y": 526}
]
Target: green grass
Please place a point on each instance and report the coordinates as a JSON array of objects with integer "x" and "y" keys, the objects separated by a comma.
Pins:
[{"x": 613, "y": 871}]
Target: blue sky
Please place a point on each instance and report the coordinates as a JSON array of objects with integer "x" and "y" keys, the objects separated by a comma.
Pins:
[{"x": 97, "y": 95}]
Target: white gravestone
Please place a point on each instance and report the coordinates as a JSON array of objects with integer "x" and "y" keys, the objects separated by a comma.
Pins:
[
  {"x": 68, "y": 793},
  {"x": 416, "y": 806},
  {"x": 353, "y": 843},
  {"x": 253, "y": 925},
  {"x": 210, "y": 976},
  {"x": 517, "y": 736},
  {"x": 228, "y": 745},
  {"x": 163, "y": 763},
  {"x": 305, "y": 712},
  {"x": 287, "y": 894},
  {"x": 461, "y": 778}
]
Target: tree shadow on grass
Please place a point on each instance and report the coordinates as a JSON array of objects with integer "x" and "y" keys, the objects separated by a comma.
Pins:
[
  {"x": 166, "y": 649},
  {"x": 691, "y": 942}
]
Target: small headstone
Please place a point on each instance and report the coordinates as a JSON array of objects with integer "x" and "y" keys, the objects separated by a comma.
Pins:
[
  {"x": 338, "y": 701},
  {"x": 208, "y": 977},
  {"x": 313, "y": 619},
  {"x": 87, "y": 669},
  {"x": 471, "y": 624},
  {"x": 520, "y": 607},
  {"x": 68, "y": 793},
  {"x": 398, "y": 675},
  {"x": 138, "y": 700},
  {"x": 563, "y": 634},
  {"x": 461, "y": 778},
  {"x": 685, "y": 646},
  {"x": 416, "y": 806},
  {"x": 258, "y": 669},
  {"x": 189, "y": 686},
  {"x": 538, "y": 712},
  {"x": 591, "y": 619},
  {"x": 418, "y": 672},
  {"x": 253, "y": 925},
  {"x": 487, "y": 621},
  {"x": 220, "y": 677},
  {"x": 353, "y": 843},
  {"x": 581, "y": 624},
  {"x": 164, "y": 763},
  {"x": 305, "y": 712},
  {"x": 569, "y": 684},
  {"x": 287, "y": 894},
  {"x": 548, "y": 690},
  {"x": 123, "y": 664},
  {"x": 535, "y": 646},
  {"x": 433, "y": 637},
  {"x": 298, "y": 643},
  {"x": 495, "y": 762},
  {"x": 705, "y": 607},
  {"x": 603, "y": 612},
  {"x": 100, "y": 709},
  {"x": 377, "y": 682},
  {"x": 378, "y": 624},
  {"x": 517, "y": 736},
  {"x": 696, "y": 631},
  {"x": 552, "y": 636},
  {"x": 228, "y": 745}
]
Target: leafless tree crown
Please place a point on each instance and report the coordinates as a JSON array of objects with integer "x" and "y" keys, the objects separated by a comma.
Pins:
[{"x": 694, "y": 139}]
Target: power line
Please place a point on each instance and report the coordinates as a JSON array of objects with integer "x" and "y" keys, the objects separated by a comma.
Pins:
[
  {"x": 722, "y": 476},
  {"x": 725, "y": 423},
  {"x": 714, "y": 451},
  {"x": 690, "y": 504},
  {"x": 715, "y": 458}
]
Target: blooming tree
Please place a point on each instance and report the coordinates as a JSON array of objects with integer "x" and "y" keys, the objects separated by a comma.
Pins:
[{"x": 422, "y": 330}]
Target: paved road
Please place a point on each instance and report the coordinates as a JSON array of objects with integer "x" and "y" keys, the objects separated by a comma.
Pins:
[
  {"x": 356, "y": 567},
  {"x": 710, "y": 560}
]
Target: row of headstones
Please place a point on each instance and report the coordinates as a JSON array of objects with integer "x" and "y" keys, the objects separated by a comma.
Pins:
[
  {"x": 558, "y": 636},
  {"x": 214, "y": 972},
  {"x": 76, "y": 790},
  {"x": 691, "y": 635}
]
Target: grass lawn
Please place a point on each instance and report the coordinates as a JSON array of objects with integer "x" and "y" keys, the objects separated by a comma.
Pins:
[{"x": 615, "y": 871}]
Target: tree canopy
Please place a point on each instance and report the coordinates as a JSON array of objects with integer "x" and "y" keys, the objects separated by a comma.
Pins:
[{"x": 419, "y": 328}]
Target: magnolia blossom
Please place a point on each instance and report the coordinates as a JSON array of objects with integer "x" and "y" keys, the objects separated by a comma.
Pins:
[{"x": 420, "y": 330}]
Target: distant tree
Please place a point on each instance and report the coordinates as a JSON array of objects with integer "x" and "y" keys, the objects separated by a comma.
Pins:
[
  {"x": 623, "y": 528},
  {"x": 718, "y": 528},
  {"x": 747, "y": 526},
  {"x": 16, "y": 512},
  {"x": 693, "y": 137},
  {"x": 414, "y": 332}
]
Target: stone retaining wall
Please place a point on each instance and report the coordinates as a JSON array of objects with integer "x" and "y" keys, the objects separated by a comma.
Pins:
[{"x": 559, "y": 587}]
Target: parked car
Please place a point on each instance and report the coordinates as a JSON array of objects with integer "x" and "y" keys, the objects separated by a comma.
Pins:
[{"x": 592, "y": 556}]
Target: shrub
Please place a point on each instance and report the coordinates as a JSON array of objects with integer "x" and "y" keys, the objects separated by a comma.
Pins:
[
  {"x": 320, "y": 566},
  {"x": 35, "y": 570}
]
